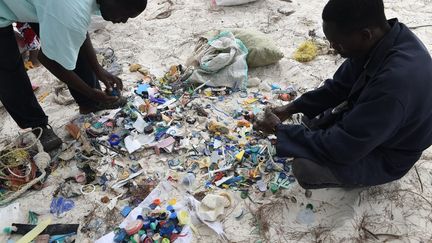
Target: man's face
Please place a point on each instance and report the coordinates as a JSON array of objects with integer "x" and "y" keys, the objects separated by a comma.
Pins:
[
  {"x": 348, "y": 45},
  {"x": 116, "y": 12}
]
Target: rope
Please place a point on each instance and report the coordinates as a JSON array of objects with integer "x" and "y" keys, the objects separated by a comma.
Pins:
[
  {"x": 4, "y": 198},
  {"x": 19, "y": 153}
]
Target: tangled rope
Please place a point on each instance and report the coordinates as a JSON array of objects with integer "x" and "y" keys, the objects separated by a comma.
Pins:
[{"x": 17, "y": 157}]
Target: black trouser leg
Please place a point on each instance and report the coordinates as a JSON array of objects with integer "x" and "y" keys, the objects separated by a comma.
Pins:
[
  {"x": 16, "y": 92},
  {"x": 85, "y": 72},
  {"x": 311, "y": 175}
]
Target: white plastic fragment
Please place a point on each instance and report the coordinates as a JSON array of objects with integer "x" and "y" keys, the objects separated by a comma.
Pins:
[
  {"x": 131, "y": 144},
  {"x": 140, "y": 124}
]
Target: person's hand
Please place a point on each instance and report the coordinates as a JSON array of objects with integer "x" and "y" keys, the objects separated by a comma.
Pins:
[
  {"x": 103, "y": 97},
  {"x": 109, "y": 80},
  {"x": 283, "y": 112},
  {"x": 268, "y": 123}
]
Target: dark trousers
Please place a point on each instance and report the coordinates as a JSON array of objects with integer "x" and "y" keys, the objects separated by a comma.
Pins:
[
  {"x": 311, "y": 175},
  {"x": 16, "y": 92}
]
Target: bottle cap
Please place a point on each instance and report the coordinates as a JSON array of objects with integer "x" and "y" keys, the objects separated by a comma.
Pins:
[{"x": 133, "y": 227}]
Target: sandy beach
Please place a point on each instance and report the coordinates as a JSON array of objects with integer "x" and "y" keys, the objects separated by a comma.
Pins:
[{"x": 396, "y": 212}]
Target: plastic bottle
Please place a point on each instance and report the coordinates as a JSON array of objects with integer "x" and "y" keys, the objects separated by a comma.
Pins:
[{"x": 189, "y": 179}]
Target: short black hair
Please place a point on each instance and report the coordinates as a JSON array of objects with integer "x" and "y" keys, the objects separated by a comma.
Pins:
[
  {"x": 139, "y": 5},
  {"x": 351, "y": 15}
]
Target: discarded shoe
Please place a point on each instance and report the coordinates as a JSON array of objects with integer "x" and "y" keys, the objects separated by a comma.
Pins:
[
  {"x": 48, "y": 139},
  {"x": 104, "y": 106}
]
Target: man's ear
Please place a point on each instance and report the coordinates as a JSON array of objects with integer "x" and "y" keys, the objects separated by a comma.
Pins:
[{"x": 366, "y": 34}]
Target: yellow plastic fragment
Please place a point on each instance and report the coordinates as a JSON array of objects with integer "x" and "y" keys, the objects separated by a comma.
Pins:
[
  {"x": 250, "y": 101},
  {"x": 240, "y": 155},
  {"x": 208, "y": 93},
  {"x": 27, "y": 238},
  {"x": 184, "y": 219}
]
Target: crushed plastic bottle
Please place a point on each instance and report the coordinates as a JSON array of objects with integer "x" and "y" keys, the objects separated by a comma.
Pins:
[{"x": 189, "y": 179}]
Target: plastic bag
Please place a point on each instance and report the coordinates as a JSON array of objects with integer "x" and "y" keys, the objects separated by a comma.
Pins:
[{"x": 221, "y": 62}]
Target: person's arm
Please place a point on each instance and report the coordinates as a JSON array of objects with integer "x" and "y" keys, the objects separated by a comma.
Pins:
[
  {"x": 374, "y": 119},
  {"x": 90, "y": 53},
  {"x": 73, "y": 80},
  {"x": 332, "y": 93},
  {"x": 108, "y": 79}
]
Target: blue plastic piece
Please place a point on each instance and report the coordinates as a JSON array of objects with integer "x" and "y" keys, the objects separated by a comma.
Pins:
[
  {"x": 120, "y": 235},
  {"x": 146, "y": 223},
  {"x": 275, "y": 86},
  {"x": 170, "y": 208},
  {"x": 152, "y": 206},
  {"x": 60, "y": 205},
  {"x": 157, "y": 100},
  {"x": 125, "y": 211},
  {"x": 282, "y": 175},
  {"x": 208, "y": 184},
  {"x": 114, "y": 140},
  {"x": 59, "y": 238},
  {"x": 173, "y": 215},
  {"x": 142, "y": 88},
  {"x": 233, "y": 180},
  {"x": 160, "y": 134},
  {"x": 167, "y": 229}
]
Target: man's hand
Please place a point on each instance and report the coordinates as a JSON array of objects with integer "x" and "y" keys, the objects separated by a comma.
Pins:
[
  {"x": 284, "y": 112},
  {"x": 269, "y": 123},
  {"x": 102, "y": 97},
  {"x": 109, "y": 80}
]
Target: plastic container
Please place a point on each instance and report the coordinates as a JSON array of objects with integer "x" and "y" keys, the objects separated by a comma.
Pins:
[{"x": 189, "y": 179}]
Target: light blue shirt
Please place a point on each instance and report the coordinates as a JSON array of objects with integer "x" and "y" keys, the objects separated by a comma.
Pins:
[{"x": 63, "y": 24}]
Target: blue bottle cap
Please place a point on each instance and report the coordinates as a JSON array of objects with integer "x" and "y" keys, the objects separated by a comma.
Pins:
[
  {"x": 173, "y": 215},
  {"x": 170, "y": 208}
]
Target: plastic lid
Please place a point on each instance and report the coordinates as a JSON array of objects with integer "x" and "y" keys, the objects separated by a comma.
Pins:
[
  {"x": 170, "y": 208},
  {"x": 133, "y": 227},
  {"x": 173, "y": 215},
  {"x": 274, "y": 188},
  {"x": 172, "y": 201},
  {"x": 153, "y": 226},
  {"x": 157, "y": 202},
  {"x": 156, "y": 237}
]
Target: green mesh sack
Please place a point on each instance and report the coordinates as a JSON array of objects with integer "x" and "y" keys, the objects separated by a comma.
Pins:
[{"x": 262, "y": 50}]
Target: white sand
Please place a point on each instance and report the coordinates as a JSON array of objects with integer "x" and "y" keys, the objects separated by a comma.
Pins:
[{"x": 396, "y": 210}]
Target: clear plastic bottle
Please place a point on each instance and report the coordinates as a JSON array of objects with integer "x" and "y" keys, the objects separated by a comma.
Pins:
[{"x": 189, "y": 179}]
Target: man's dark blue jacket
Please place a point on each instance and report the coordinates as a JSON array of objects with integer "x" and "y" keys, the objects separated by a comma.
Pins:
[{"x": 389, "y": 122}]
